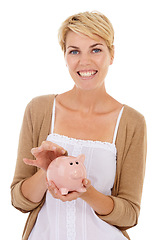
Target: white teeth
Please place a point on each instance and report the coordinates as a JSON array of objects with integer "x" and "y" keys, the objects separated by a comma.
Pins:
[{"x": 87, "y": 74}]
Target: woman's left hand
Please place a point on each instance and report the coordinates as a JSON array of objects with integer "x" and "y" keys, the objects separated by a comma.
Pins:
[{"x": 71, "y": 195}]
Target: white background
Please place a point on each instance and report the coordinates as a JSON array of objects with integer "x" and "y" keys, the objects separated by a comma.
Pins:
[{"x": 31, "y": 64}]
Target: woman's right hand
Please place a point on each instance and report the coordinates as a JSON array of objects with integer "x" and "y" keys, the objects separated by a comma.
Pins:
[{"x": 45, "y": 154}]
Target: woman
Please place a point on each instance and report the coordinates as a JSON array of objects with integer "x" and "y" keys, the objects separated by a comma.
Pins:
[{"x": 87, "y": 120}]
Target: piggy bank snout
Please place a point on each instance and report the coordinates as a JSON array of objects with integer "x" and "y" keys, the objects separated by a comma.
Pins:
[{"x": 77, "y": 171}]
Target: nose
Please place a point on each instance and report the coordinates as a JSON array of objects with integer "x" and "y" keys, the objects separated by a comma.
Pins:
[
  {"x": 76, "y": 174},
  {"x": 84, "y": 59}
]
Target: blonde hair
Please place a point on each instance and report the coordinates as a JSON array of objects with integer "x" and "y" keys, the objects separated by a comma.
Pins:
[{"x": 90, "y": 24}]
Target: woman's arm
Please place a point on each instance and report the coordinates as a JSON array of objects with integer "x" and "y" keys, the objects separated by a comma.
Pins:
[
  {"x": 30, "y": 136},
  {"x": 100, "y": 203},
  {"x": 23, "y": 171},
  {"x": 131, "y": 166},
  {"x": 35, "y": 187}
]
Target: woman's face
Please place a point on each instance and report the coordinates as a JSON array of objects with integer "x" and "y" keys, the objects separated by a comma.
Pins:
[{"x": 87, "y": 60}]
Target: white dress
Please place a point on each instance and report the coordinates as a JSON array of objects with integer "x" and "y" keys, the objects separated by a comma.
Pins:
[{"x": 76, "y": 220}]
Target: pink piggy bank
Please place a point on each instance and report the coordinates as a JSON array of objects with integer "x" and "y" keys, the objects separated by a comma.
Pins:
[{"x": 67, "y": 173}]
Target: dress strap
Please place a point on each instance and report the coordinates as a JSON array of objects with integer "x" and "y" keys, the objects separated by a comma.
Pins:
[
  {"x": 117, "y": 125},
  {"x": 53, "y": 115}
]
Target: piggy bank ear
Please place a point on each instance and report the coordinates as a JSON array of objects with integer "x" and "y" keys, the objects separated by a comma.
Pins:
[{"x": 81, "y": 158}]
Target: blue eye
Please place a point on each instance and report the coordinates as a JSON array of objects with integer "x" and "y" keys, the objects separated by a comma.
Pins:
[
  {"x": 74, "y": 52},
  {"x": 96, "y": 50}
]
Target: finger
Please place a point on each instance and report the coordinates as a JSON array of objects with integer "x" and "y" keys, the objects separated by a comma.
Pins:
[
  {"x": 53, "y": 189},
  {"x": 57, "y": 194},
  {"x": 70, "y": 196},
  {"x": 50, "y": 183},
  {"x": 36, "y": 150},
  {"x": 50, "y": 146},
  {"x": 86, "y": 183},
  {"x": 43, "y": 147},
  {"x": 30, "y": 162}
]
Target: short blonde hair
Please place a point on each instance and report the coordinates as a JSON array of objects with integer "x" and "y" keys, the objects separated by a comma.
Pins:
[{"x": 90, "y": 24}]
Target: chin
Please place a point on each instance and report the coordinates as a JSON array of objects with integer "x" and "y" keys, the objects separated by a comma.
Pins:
[{"x": 89, "y": 84}]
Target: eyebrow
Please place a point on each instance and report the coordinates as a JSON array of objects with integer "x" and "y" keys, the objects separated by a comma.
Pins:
[
  {"x": 73, "y": 47},
  {"x": 94, "y": 45}
]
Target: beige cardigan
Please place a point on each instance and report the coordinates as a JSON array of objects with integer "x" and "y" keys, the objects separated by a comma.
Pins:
[{"x": 131, "y": 158}]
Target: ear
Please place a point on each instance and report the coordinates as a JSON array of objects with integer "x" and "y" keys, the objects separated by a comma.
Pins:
[
  {"x": 112, "y": 54},
  {"x": 81, "y": 158}
]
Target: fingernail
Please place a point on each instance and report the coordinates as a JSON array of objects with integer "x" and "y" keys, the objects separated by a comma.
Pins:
[
  {"x": 32, "y": 150},
  {"x": 63, "y": 151},
  {"x": 86, "y": 182},
  {"x": 36, "y": 149}
]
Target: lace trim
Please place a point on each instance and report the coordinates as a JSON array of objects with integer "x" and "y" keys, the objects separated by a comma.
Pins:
[
  {"x": 80, "y": 140},
  {"x": 86, "y": 143}
]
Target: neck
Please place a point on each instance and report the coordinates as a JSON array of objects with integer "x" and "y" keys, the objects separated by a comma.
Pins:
[{"x": 88, "y": 101}]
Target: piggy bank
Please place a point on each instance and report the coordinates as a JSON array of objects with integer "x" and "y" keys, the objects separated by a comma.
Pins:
[{"x": 67, "y": 173}]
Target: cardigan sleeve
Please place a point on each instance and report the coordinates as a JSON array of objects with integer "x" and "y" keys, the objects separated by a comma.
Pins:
[
  {"x": 130, "y": 180},
  {"x": 23, "y": 171}
]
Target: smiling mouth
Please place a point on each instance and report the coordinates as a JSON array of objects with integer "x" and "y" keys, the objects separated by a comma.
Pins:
[{"x": 86, "y": 73}]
